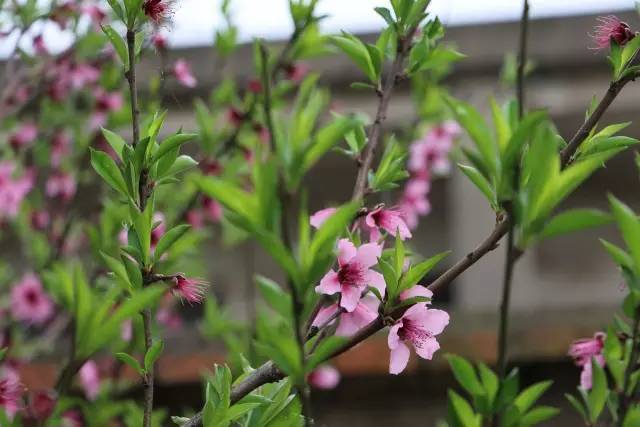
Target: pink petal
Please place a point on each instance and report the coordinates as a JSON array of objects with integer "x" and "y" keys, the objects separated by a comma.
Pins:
[
  {"x": 318, "y": 218},
  {"x": 368, "y": 254},
  {"x": 376, "y": 280},
  {"x": 435, "y": 321},
  {"x": 426, "y": 348},
  {"x": 393, "y": 339},
  {"x": 586, "y": 376},
  {"x": 324, "y": 314},
  {"x": 329, "y": 284},
  {"x": 350, "y": 323},
  {"x": 324, "y": 377},
  {"x": 398, "y": 359},
  {"x": 415, "y": 291},
  {"x": 350, "y": 297},
  {"x": 346, "y": 251}
]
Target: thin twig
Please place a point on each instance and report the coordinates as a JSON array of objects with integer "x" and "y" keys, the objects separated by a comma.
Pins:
[
  {"x": 510, "y": 257},
  {"x": 268, "y": 372}
]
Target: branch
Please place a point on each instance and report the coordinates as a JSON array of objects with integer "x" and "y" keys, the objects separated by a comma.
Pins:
[
  {"x": 375, "y": 132},
  {"x": 510, "y": 255},
  {"x": 268, "y": 372}
]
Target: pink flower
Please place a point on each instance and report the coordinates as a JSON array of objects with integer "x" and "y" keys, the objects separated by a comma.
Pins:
[
  {"x": 40, "y": 220},
  {"x": 235, "y": 116},
  {"x": 414, "y": 202},
  {"x": 61, "y": 185},
  {"x": 191, "y": 290},
  {"x": 90, "y": 379},
  {"x": 211, "y": 167},
  {"x": 126, "y": 330},
  {"x": 95, "y": 13},
  {"x": 159, "y": 41},
  {"x": 182, "y": 72},
  {"x": 169, "y": 318},
  {"x": 60, "y": 147},
  {"x": 12, "y": 190},
  {"x": 611, "y": 28},
  {"x": 41, "y": 405},
  {"x": 82, "y": 75},
  {"x": 10, "y": 393},
  {"x": 418, "y": 326},
  {"x": 354, "y": 273},
  {"x": 254, "y": 86},
  {"x": 159, "y": 11},
  {"x": 108, "y": 101},
  {"x": 195, "y": 218},
  {"x": 29, "y": 302},
  {"x": 324, "y": 377},
  {"x": 72, "y": 418},
  {"x": 318, "y": 218},
  {"x": 390, "y": 220},
  {"x": 296, "y": 72},
  {"x": 39, "y": 46},
  {"x": 366, "y": 311},
  {"x": 431, "y": 154},
  {"x": 25, "y": 135},
  {"x": 212, "y": 209},
  {"x": 583, "y": 352}
]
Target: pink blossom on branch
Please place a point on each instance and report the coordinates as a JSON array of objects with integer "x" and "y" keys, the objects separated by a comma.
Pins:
[
  {"x": 583, "y": 352},
  {"x": 90, "y": 379},
  {"x": 160, "y": 12},
  {"x": 318, "y": 218},
  {"x": 12, "y": 190},
  {"x": 10, "y": 393},
  {"x": 366, "y": 311},
  {"x": 611, "y": 28},
  {"x": 29, "y": 302},
  {"x": 24, "y": 136},
  {"x": 61, "y": 185},
  {"x": 184, "y": 75},
  {"x": 390, "y": 220},
  {"x": 324, "y": 377},
  {"x": 189, "y": 289},
  {"x": 354, "y": 273},
  {"x": 418, "y": 326}
]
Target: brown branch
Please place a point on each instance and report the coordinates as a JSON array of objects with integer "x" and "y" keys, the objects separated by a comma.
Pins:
[
  {"x": 268, "y": 372},
  {"x": 510, "y": 255}
]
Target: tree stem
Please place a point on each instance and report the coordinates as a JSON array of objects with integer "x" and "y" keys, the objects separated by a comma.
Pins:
[{"x": 510, "y": 256}]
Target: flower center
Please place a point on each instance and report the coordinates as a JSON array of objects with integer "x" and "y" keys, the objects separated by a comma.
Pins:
[
  {"x": 351, "y": 274},
  {"x": 410, "y": 331},
  {"x": 31, "y": 296}
]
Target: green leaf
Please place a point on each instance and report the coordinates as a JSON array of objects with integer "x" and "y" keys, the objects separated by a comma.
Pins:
[
  {"x": 109, "y": 171},
  {"x": 169, "y": 239},
  {"x": 480, "y": 182},
  {"x": 386, "y": 15},
  {"x": 620, "y": 257},
  {"x": 279, "y": 300},
  {"x": 465, "y": 375},
  {"x": 473, "y": 122},
  {"x": 118, "y": 44},
  {"x": 417, "y": 272},
  {"x": 172, "y": 143},
  {"x": 575, "y": 220},
  {"x": 118, "y": 269},
  {"x": 578, "y": 406},
  {"x": 231, "y": 196},
  {"x": 629, "y": 227},
  {"x": 131, "y": 361},
  {"x": 355, "y": 49},
  {"x": 153, "y": 353},
  {"x": 599, "y": 392},
  {"x": 490, "y": 383},
  {"x": 115, "y": 141},
  {"x": 463, "y": 411},
  {"x": 538, "y": 415},
  {"x": 529, "y": 396},
  {"x": 335, "y": 226}
]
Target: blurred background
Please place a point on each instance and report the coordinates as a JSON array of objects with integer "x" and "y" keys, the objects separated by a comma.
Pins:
[{"x": 564, "y": 289}]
